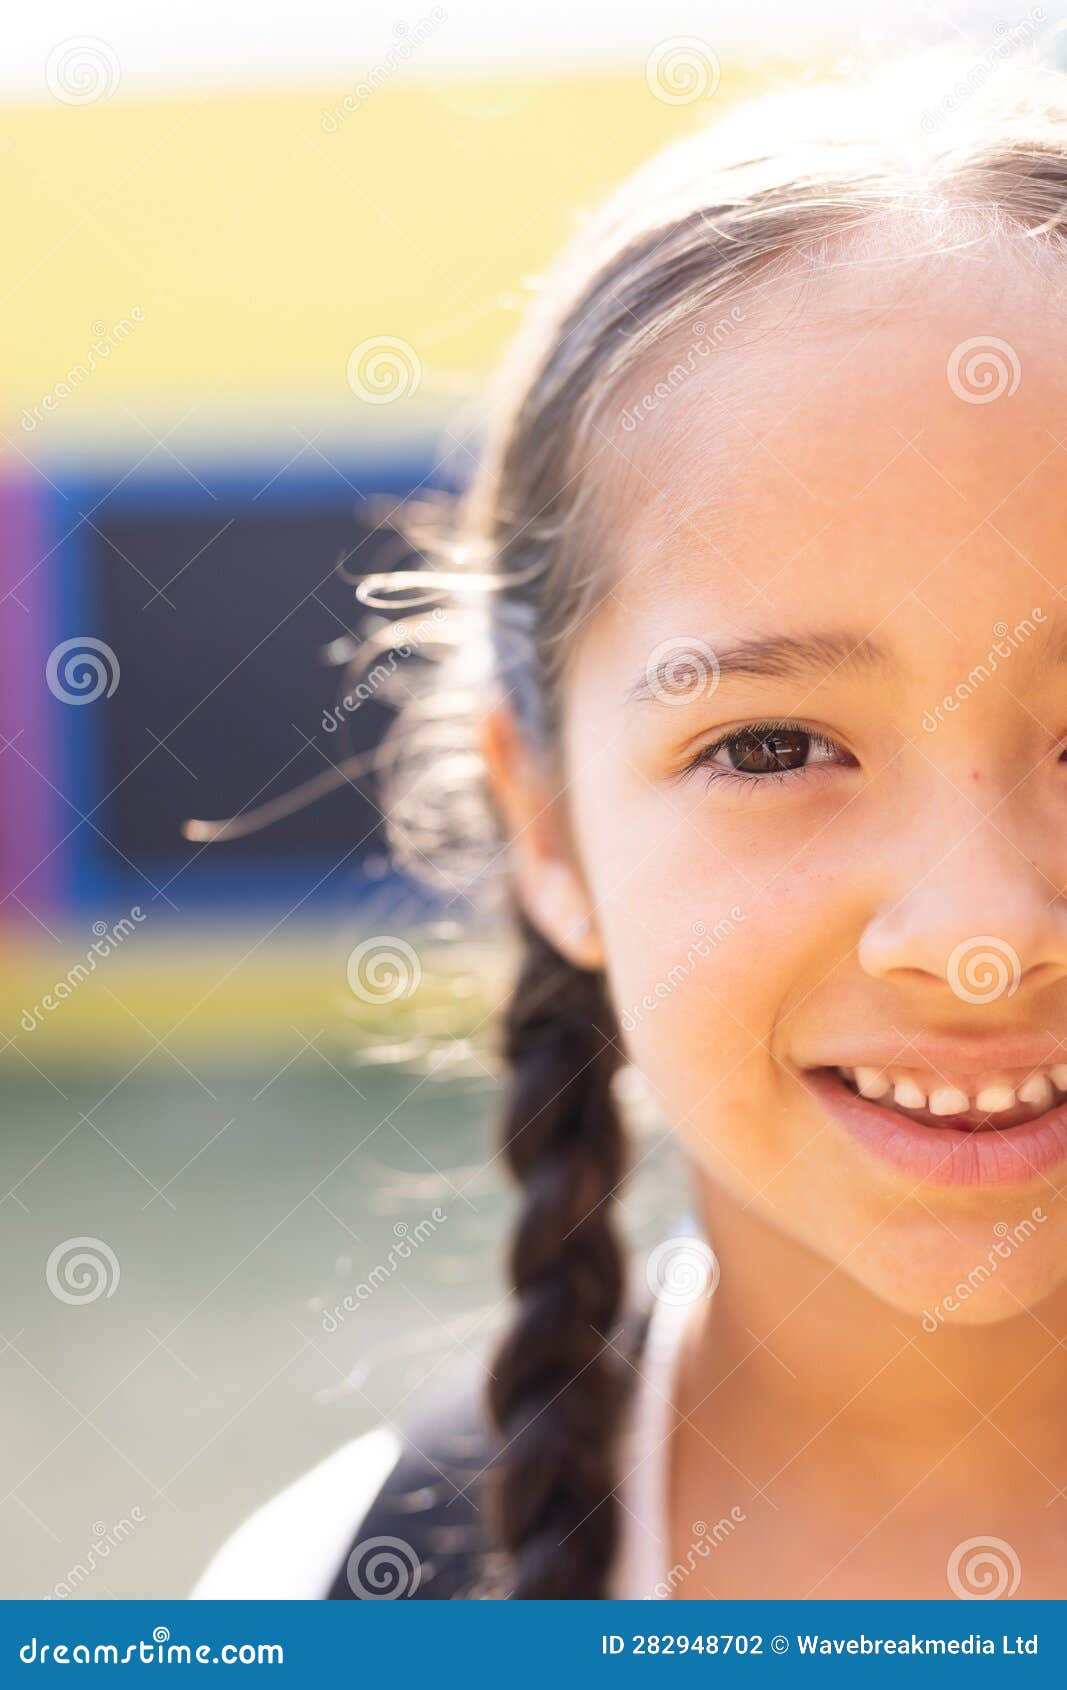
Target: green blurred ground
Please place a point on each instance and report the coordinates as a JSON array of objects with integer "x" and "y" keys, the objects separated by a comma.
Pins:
[{"x": 241, "y": 1204}]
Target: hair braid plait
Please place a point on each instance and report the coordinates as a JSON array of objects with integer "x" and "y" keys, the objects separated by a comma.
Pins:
[{"x": 558, "y": 1386}]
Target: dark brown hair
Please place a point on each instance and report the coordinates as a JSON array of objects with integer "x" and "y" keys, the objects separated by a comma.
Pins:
[{"x": 556, "y": 1388}]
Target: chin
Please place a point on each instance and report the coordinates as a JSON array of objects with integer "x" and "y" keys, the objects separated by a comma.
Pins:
[{"x": 983, "y": 1277}]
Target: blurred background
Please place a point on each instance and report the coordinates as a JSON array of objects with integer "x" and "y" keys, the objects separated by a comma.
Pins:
[{"x": 258, "y": 263}]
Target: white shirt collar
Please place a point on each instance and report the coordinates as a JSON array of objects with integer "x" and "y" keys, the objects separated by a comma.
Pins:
[{"x": 644, "y": 1455}]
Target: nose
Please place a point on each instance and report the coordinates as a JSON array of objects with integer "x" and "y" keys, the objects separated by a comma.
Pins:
[{"x": 983, "y": 922}]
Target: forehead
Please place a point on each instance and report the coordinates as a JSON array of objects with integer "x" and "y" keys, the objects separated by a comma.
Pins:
[{"x": 880, "y": 438}]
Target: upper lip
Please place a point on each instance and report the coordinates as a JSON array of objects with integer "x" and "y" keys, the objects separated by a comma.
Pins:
[{"x": 956, "y": 1059}]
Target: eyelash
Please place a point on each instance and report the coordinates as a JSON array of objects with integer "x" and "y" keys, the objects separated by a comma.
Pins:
[{"x": 738, "y": 777}]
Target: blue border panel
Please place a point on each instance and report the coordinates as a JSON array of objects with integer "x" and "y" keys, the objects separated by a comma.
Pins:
[
  {"x": 526, "y": 1644},
  {"x": 87, "y": 874}
]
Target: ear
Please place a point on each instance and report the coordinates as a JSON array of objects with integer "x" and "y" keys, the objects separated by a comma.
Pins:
[{"x": 550, "y": 885}]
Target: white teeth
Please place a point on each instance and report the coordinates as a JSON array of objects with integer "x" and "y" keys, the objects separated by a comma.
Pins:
[
  {"x": 1037, "y": 1090},
  {"x": 909, "y": 1095},
  {"x": 993, "y": 1099},
  {"x": 948, "y": 1100},
  {"x": 871, "y": 1082}
]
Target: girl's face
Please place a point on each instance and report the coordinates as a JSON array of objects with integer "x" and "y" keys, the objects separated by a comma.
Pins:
[{"x": 815, "y": 765}]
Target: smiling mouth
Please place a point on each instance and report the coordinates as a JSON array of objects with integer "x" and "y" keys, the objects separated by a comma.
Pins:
[{"x": 977, "y": 1105}]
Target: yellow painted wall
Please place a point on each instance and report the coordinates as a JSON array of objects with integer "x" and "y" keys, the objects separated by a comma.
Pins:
[{"x": 260, "y": 247}]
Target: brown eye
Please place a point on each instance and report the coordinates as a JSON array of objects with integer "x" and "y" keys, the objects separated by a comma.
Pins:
[{"x": 769, "y": 752}]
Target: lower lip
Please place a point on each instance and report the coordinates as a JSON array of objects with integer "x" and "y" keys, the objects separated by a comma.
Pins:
[{"x": 945, "y": 1155}]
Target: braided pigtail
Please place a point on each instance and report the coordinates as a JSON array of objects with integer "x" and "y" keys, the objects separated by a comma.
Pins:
[{"x": 557, "y": 1387}]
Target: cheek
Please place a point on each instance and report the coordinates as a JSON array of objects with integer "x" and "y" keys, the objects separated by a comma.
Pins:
[
  {"x": 699, "y": 936},
  {"x": 708, "y": 937},
  {"x": 698, "y": 971}
]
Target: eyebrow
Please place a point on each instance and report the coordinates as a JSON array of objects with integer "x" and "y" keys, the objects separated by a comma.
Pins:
[{"x": 796, "y": 657}]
